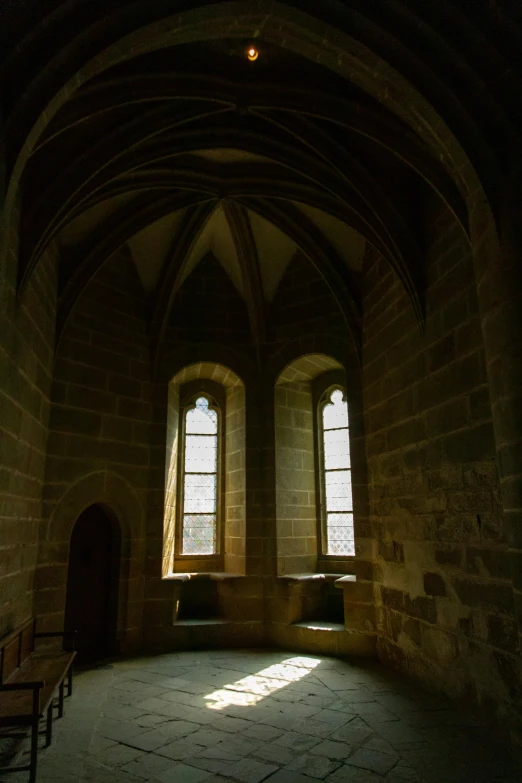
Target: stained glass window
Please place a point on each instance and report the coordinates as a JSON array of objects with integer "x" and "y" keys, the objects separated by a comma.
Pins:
[
  {"x": 200, "y": 480},
  {"x": 337, "y": 476}
]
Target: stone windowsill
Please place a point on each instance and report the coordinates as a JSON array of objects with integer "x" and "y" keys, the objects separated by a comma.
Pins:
[
  {"x": 320, "y": 625},
  {"x": 216, "y": 576},
  {"x": 345, "y": 580},
  {"x": 339, "y": 579},
  {"x": 194, "y": 622}
]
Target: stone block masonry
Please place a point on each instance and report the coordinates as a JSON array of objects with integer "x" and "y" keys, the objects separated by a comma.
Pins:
[
  {"x": 434, "y": 575},
  {"x": 101, "y": 391},
  {"x": 445, "y": 604},
  {"x": 100, "y": 420},
  {"x": 295, "y": 477},
  {"x": 208, "y": 310},
  {"x": 26, "y": 358},
  {"x": 304, "y": 304}
]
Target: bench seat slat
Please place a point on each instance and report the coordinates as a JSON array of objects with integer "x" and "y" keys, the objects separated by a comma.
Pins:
[
  {"x": 29, "y": 682},
  {"x": 52, "y": 669}
]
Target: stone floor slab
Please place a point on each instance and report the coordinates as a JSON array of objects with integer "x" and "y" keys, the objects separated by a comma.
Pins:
[
  {"x": 373, "y": 760},
  {"x": 293, "y": 739},
  {"x": 240, "y": 745},
  {"x": 232, "y": 725},
  {"x": 313, "y": 766},
  {"x": 347, "y": 774},
  {"x": 148, "y": 721},
  {"x": 262, "y": 732},
  {"x": 288, "y": 776},
  {"x": 355, "y": 732},
  {"x": 118, "y": 755},
  {"x": 332, "y": 750},
  {"x": 150, "y": 740},
  {"x": 315, "y": 728},
  {"x": 259, "y": 715},
  {"x": 335, "y": 717},
  {"x": 208, "y": 736},
  {"x": 183, "y": 773},
  {"x": 119, "y": 731},
  {"x": 249, "y": 771},
  {"x": 276, "y": 753},
  {"x": 209, "y": 764},
  {"x": 148, "y": 766},
  {"x": 180, "y": 749}
]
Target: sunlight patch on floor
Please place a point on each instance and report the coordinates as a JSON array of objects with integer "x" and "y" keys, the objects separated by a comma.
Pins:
[{"x": 252, "y": 689}]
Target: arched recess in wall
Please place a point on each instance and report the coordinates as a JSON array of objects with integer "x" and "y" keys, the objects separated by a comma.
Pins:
[
  {"x": 224, "y": 392},
  {"x": 91, "y": 606},
  {"x": 300, "y": 390},
  {"x": 118, "y": 499}
]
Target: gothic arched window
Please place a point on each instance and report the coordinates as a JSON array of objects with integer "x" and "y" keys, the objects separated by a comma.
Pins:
[
  {"x": 336, "y": 475},
  {"x": 199, "y": 480}
]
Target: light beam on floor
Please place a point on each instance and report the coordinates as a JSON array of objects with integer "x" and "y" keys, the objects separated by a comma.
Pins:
[{"x": 252, "y": 689}]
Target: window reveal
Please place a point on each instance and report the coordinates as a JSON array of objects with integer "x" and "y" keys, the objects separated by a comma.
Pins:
[
  {"x": 337, "y": 477},
  {"x": 200, "y": 465}
]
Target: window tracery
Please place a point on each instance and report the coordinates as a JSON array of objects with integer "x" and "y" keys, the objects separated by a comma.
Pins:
[
  {"x": 199, "y": 512},
  {"x": 337, "y": 501}
]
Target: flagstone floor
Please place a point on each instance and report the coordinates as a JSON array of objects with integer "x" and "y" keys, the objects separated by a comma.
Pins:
[{"x": 252, "y": 716}]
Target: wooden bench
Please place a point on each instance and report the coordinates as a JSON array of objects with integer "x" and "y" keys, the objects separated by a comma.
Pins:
[{"x": 29, "y": 683}]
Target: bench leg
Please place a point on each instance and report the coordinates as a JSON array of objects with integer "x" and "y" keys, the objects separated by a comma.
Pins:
[
  {"x": 61, "y": 698},
  {"x": 34, "y": 751},
  {"x": 49, "y": 726},
  {"x": 69, "y": 681}
]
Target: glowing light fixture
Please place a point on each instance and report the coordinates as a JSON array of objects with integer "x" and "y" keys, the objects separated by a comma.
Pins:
[{"x": 252, "y": 53}]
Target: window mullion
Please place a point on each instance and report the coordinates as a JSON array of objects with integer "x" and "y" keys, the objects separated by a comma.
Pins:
[
  {"x": 338, "y": 499},
  {"x": 200, "y": 490}
]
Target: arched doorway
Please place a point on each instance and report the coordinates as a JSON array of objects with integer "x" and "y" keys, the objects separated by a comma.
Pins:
[{"x": 92, "y": 583}]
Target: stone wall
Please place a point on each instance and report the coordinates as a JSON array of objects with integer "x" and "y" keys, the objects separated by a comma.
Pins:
[
  {"x": 235, "y": 481},
  {"x": 207, "y": 309},
  {"x": 99, "y": 424},
  {"x": 445, "y": 600},
  {"x": 304, "y": 305},
  {"x": 434, "y": 542},
  {"x": 168, "y": 499},
  {"x": 297, "y": 544},
  {"x": 27, "y": 330}
]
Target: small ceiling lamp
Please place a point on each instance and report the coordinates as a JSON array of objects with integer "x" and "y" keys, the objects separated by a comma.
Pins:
[{"x": 252, "y": 53}]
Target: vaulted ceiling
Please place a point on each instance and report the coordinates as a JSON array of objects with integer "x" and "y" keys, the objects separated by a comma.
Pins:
[
  {"x": 195, "y": 150},
  {"x": 177, "y": 150}
]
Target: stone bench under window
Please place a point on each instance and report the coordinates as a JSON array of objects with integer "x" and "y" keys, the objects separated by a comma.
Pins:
[
  {"x": 314, "y": 601},
  {"x": 197, "y": 598}
]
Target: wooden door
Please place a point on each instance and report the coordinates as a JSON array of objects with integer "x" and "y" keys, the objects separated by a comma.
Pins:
[{"x": 92, "y": 584}]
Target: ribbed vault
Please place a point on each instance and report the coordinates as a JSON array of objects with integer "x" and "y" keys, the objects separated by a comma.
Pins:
[
  {"x": 168, "y": 142},
  {"x": 201, "y": 159}
]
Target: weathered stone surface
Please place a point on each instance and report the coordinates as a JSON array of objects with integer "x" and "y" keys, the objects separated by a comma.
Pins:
[
  {"x": 422, "y": 608},
  {"x": 475, "y": 593},
  {"x": 448, "y": 556},
  {"x": 503, "y": 632},
  {"x": 495, "y": 563},
  {"x": 434, "y": 584},
  {"x": 93, "y": 327},
  {"x": 393, "y": 598}
]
